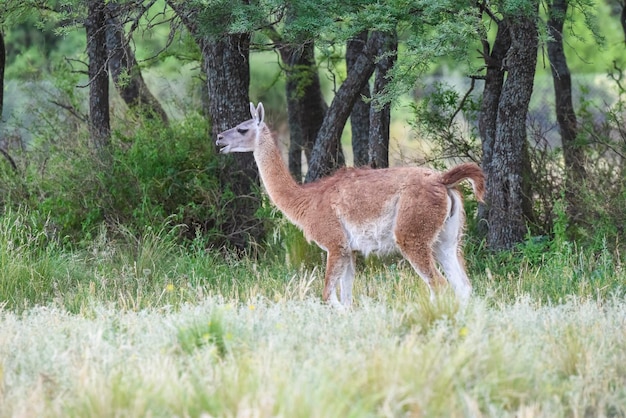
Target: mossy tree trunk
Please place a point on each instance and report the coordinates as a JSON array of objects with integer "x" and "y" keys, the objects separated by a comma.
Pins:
[{"x": 508, "y": 173}]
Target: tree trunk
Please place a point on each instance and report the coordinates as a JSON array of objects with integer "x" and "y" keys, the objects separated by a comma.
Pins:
[
  {"x": 508, "y": 193},
  {"x": 380, "y": 119},
  {"x": 360, "y": 116},
  {"x": 226, "y": 64},
  {"x": 488, "y": 115},
  {"x": 99, "y": 121},
  {"x": 325, "y": 157},
  {"x": 306, "y": 107},
  {"x": 225, "y": 61},
  {"x": 125, "y": 71},
  {"x": 573, "y": 154},
  {"x": 3, "y": 60}
]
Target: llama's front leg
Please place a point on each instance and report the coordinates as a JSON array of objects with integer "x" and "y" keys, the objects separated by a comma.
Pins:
[
  {"x": 347, "y": 279},
  {"x": 336, "y": 265}
]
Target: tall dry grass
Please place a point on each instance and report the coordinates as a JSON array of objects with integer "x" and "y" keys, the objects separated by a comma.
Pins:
[{"x": 299, "y": 358}]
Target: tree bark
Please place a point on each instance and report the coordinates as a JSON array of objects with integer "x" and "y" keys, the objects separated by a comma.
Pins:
[
  {"x": 3, "y": 57},
  {"x": 3, "y": 60},
  {"x": 99, "y": 119},
  {"x": 360, "y": 116},
  {"x": 325, "y": 157},
  {"x": 380, "y": 119},
  {"x": 225, "y": 61},
  {"x": 508, "y": 193},
  {"x": 125, "y": 71},
  {"x": 306, "y": 107},
  {"x": 573, "y": 154},
  {"x": 226, "y": 64},
  {"x": 488, "y": 115}
]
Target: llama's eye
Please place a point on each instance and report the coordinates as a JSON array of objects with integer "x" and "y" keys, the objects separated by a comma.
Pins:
[{"x": 242, "y": 131}]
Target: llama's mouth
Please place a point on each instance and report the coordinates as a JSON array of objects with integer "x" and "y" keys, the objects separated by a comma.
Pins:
[{"x": 224, "y": 148}]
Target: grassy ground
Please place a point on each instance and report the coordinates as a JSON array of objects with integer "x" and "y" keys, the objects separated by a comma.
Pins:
[{"x": 142, "y": 327}]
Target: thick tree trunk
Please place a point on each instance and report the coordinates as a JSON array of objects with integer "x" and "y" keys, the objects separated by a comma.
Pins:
[
  {"x": 225, "y": 62},
  {"x": 99, "y": 120},
  {"x": 226, "y": 65},
  {"x": 125, "y": 71},
  {"x": 380, "y": 119},
  {"x": 325, "y": 157},
  {"x": 573, "y": 154},
  {"x": 507, "y": 194},
  {"x": 360, "y": 116},
  {"x": 487, "y": 118}
]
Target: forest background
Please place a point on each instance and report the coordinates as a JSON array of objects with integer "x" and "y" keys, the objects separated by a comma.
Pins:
[
  {"x": 141, "y": 273},
  {"x": 82, "y": 151}
]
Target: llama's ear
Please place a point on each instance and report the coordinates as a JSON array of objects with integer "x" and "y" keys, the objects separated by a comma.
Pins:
[
  {"x": 260, "y": 111},
  {"x": 253, "y": 111}
]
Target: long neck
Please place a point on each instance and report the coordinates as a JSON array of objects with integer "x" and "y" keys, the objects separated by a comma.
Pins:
[{"x": 286, "y": 194}]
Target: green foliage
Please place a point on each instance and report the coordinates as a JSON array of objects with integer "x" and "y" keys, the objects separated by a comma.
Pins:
[
  {"x": 518, "y": 8},
  {"x": 601, "y": 198},
  {"x": 443, "y": 119},
  {"x": 163, "y": 172},
  {"x": 548, "y": 270},
  {"x": 158, "y": 175}
]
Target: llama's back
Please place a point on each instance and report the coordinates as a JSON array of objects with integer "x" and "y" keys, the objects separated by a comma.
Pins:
[{"x": 366, "y": 203}]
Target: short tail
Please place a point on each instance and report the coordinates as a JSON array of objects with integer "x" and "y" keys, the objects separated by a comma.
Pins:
[{"x": 469, "y": 171}]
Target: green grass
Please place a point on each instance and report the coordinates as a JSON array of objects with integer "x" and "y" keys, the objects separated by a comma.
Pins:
[{"x": 141, "y": 326}]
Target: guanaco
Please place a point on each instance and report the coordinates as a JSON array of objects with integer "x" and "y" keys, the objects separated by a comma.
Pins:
[{"x": 414, "y": 210}]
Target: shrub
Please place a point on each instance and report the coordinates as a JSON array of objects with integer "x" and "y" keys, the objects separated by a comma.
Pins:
[{"x": 153, "y": 175}]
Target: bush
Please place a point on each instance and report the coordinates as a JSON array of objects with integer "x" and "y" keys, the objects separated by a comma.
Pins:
[{"x": 153, "y": 175}]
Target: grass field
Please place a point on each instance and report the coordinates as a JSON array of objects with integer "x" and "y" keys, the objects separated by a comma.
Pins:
[{"x": 143, "y": 327}]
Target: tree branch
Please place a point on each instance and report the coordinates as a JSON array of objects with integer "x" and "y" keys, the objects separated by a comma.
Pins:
[{"x": 9, "y": 159}]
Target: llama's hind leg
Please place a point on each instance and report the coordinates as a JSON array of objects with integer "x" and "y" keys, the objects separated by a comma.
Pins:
[
  {"x": 419, "y": 253},
  {"x": 417, "y": 226},
  {"x": 451, "y": 261},
  {"x": 423, "y": 263},
  {"x": 448, "y": 253}
]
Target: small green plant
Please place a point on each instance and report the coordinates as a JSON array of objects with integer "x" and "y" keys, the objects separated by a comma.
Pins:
[
  {"x": 199, "y": 335},
  {"x": 422, "y": 315}
]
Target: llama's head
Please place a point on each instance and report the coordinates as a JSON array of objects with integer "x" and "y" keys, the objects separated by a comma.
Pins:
[{"x": 245, "y": 136}]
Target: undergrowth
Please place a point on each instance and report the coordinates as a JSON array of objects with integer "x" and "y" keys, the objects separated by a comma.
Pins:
[
  {"x": 154, "y": 269},
  {"x": 142, "y": 325}
]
